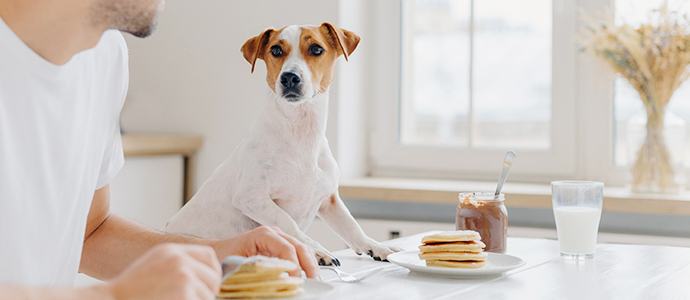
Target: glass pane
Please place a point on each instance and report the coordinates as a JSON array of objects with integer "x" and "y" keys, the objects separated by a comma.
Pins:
[
  {"x": 626, "y": 101},
  {"x": 510, "y": 98},
  {"x": 512, "y": 74},
  {"x": 436, "y": 67},
  {"x": 627, "y": 104}
]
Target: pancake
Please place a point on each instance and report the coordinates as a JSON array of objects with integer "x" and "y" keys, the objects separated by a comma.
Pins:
[
  {"x": 264, "y": 268},
  {"x": 255, "y": 275},
  {"x": 452, "y": 236},
  {"x": 454, "y": 256},
  {"x": 456, "y": 264},
  {"x": 473, "y": 246},
  {"x": 280, "y": 283},
  {"x": 454, "y": 249},
  {"x": 260, "y": 294},
  {"x": 262, "y": 278}
]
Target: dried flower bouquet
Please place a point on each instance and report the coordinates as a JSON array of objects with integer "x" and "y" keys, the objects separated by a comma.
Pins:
[{"x": 654, "y": 59}]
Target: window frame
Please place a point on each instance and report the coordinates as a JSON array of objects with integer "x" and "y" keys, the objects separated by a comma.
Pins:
[{"x": 390, "y": 158}]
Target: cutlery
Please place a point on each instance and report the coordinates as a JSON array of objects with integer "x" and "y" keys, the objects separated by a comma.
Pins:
[
  {"x": 345, "y": 277},
  {"x": 232, "y": 264},
  {"x": 507, "y": 163}
]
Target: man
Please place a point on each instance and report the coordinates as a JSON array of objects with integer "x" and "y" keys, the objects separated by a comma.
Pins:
[{"x": 63, "y": 80}]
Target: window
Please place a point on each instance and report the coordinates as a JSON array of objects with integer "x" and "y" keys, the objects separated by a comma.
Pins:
[
  {"x": 629, "y": 112},
  {"x": 469, "y": 80},
  {"x": 476, "y": 74},
  {"x": 459, "y": 82}
]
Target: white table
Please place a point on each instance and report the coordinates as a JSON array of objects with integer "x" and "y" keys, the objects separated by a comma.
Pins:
[{"x": 617, "y": 272}]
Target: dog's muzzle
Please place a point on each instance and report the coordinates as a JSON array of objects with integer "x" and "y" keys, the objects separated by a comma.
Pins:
[{"x": 292, "y": 86}]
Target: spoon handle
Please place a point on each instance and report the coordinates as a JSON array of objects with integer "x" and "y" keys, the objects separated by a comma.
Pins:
[{"x": 507, "y": 163}]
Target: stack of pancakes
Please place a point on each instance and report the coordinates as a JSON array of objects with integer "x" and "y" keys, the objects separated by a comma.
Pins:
[
  {"x": 262, "y": 278},
  {"x": 453, "y": 249}
]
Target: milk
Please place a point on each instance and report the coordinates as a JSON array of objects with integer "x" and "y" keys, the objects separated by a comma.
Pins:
[{"x": 577, "y": 228}]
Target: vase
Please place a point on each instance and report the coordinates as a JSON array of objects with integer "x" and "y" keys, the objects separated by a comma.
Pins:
[{"x": 658, "y": 136}]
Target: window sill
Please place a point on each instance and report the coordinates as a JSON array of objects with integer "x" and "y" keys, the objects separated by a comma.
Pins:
[{"x": 616, "y": 199}]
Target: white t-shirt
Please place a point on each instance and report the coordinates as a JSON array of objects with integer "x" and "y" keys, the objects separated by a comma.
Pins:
[{"x": 59, "y": 142}]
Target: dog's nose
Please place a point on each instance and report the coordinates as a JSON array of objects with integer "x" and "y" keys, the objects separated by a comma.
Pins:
[{"x": 290, "y": 80}]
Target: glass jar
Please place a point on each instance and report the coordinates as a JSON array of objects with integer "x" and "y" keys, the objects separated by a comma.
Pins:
[{"x": 486, "y": 214}]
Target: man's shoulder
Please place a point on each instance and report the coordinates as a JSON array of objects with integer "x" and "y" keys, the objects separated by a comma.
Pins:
[
  {"x": 114, "y": 37},
  {"x": 112, "y": 45},
  {"x": 110, "y": 64}
]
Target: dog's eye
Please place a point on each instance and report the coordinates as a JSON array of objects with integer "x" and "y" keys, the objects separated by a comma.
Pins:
[
  {"x": 276, "y": 51},
  {"x": 315, "y": 50}
]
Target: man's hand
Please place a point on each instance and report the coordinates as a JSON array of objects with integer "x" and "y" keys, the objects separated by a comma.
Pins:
[
  {"x": 170, "y": 271},
  {"x": 273, "y": 242},
  {"x": 114, "y": 242}
]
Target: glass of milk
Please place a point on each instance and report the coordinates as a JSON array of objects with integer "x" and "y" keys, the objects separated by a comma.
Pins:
[{"x": 577, "y": 208}]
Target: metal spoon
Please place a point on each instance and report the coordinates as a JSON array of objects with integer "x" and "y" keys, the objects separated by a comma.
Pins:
[
  {"x": 507, "y": 163},
  {"x": 346, "y": 277}
]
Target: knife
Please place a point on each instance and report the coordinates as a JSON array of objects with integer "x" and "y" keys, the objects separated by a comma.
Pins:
[{"x": 232, "y": 264}]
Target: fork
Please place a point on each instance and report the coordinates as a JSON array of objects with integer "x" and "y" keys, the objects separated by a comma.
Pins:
[{"x": 346, "y": 277}]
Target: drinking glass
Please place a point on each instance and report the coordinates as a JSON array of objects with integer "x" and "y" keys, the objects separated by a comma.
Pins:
[{"x": 577, "y": 208}]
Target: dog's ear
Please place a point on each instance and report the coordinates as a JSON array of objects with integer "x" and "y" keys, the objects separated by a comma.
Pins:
[
  {"x": 345, "y": 41},
  {"x": 253, "y": 48}
]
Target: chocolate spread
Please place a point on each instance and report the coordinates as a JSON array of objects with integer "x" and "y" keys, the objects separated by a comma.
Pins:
[{"x": 481, "y": 213}]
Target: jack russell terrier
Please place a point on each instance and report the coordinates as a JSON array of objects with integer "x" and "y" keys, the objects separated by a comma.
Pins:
[{"x": 283, "y": 173}]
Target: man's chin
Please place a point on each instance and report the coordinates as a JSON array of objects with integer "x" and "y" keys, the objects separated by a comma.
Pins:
[
  {"x": 144, "y": 25},
  {"x": 145, "y": 31}
]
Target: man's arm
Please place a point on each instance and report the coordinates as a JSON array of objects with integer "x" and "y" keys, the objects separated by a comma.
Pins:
[
  {"x": 17, "y": 292},
  {"x": 113, "y": 242},
  {"x": 144, "y": 265},
  {"x": 168, "y": 271}
]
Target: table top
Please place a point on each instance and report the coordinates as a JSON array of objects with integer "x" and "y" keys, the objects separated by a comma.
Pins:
[{"x": 617, "y": 272}]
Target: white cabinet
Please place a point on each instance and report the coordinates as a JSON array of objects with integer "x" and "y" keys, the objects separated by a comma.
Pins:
[{"x": 148, "y": 189}]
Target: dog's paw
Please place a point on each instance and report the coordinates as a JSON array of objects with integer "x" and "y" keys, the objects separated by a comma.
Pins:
[
  {"x": 376, "y": 250},
  {"x": 325, "y": 258}
]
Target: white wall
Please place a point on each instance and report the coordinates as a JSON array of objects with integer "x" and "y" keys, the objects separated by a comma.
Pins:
[
  {"x": 190, "y": 77},
  {"x": 353, "y": 104}
]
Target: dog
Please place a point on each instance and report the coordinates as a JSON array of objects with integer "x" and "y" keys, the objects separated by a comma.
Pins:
[{"x": 283, "y": 173}]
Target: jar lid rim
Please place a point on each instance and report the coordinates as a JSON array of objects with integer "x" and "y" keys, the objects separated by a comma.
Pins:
[{"x": 481, "y": 196}]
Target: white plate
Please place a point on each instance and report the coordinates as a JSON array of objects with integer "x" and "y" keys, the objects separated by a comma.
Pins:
[
  {"x": 496, "y": 264},
  {"x": 313, "y": 289}
]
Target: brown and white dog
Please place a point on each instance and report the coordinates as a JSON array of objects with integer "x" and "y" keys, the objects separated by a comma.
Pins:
[{"x": 283, "y": 173}]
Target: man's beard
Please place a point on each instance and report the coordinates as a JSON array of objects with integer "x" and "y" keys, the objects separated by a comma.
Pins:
[
  {"x": 127, "y": 17},
  {"x": 142, "y": 30}
]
